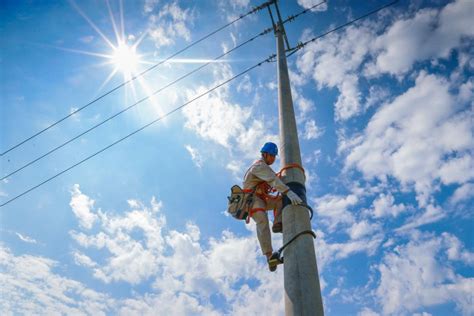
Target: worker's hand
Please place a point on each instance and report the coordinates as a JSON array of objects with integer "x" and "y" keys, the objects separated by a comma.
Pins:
[{"x": 294, "y": 198}]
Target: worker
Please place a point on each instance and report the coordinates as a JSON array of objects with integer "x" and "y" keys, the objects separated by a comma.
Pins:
[{"x": 262, "y": 179}]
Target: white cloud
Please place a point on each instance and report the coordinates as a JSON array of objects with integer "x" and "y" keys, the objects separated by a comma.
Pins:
[
  {"x": 430, "y": 33},
  {"x": 457, "y": 170},
  {"x": 466, "y": 91},
  {"x": 335, "y": 61},
  {"x": 130, "y": 259},
  {"x": 237, "y": 168},
  {"x": 30, "y": 286},
  {"x": 339, "y": 60},
  {"x": 410, "y": 137},
  {"x": 362, "y": 228},
  {"x": 456, "y": 251},
  {"x": 245, "y": 85},
  {"x": 230, "y": 125},
  {"x": 313, "y": 157},
  {"x": 237, "y": 4},
  {"x": 215, "y": 119},
  {"x": 431, "y": 214},
  {"x": 233, "y": 9},
  {"x": 367, "y": 312},
  {"x": 75, "y": 116},
  {"x": 309, "y": 3},
  {"x": 463, "y": 193},
  {"x": 414, "y": 277},
  {"x": 384, "y": 206},
  {"x": 136, "y": 246},
  {"x": 195, "y": 156},
  {"x": 26, "y": 238},
  {"x": 311, "y": 130},
  {"x": 165, "y": 304},
  {"x": 150, "y": 5},
  {"x": 377, "y": 96},
  {"x": 329, "y": 252},
  {"x": 170, "y": 23},
  {"x": 81, "y": 206},
  {"x": 304, "y": 105},
  {"x": 334, "y": 209},
  {"x": 83, "y": 260}
]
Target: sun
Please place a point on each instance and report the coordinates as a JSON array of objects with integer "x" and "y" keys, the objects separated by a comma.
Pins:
[{"x": 125, "y": 58}]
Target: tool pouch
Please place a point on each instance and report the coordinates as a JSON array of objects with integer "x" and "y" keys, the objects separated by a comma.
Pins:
[{"x": 239, "y": 202}]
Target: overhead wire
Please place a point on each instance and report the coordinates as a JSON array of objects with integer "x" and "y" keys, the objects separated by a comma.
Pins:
[
  {"x": 264, "y": 32},
  {"x": 254, "y": 10},
  {"x": 141, "y": 128},
  {"x": 294, "y": 16},
  {"x": 303, "y": 44},
  {"x": 269, "y": 59}
]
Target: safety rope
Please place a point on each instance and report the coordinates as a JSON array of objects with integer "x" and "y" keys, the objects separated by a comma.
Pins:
[
  {"x": 290, "y": 166},
  {"x": 279, "y": 252}
]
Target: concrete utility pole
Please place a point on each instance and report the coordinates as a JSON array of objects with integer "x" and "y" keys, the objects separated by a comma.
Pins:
[{"x": 302, "y": 288}]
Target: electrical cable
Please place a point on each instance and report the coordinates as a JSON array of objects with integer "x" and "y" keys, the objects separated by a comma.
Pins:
[
  {"x": 300, "y": 46},
  {"x": 254, "y": 10},
  {"x": 294, "y": 16},
  {"x": 266, "y": 31},
  {"x": 140, "y": 129}
]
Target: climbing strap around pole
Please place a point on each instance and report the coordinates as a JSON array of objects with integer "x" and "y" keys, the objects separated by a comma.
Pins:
[
  {"x": 310, "y": 232},
  {"x": 290, "y": 166}
]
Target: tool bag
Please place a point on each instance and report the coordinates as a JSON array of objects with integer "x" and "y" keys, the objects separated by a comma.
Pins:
[{"x": 239, "y": 202}]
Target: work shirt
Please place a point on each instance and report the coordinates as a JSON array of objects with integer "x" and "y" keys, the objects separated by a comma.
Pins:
[{"x": 259, "y": 172}]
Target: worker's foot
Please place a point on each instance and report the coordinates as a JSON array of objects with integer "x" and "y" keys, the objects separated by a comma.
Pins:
[
  {"x": 274, "y": 261},
  {"x": 277, "y": 227}
]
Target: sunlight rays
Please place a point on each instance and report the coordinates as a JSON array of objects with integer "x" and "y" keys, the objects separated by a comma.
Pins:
[
  {"x": 124, "y": 57},
  {"x": 104, "y": 37}
]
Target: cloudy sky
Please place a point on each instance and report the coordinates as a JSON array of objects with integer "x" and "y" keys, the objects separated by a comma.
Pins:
[{"x": 385, "y": 120}]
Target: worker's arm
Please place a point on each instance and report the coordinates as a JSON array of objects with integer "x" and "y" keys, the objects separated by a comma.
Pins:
[{"x": 265, "y": 173}]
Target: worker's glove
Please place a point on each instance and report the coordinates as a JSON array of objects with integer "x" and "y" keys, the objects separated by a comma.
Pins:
[{"x": 294, "y": 198}]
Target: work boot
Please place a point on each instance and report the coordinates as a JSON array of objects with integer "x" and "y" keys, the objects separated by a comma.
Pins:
[
  {"x": 274, "y": 261},
  {"x": 277, "y": 227}
]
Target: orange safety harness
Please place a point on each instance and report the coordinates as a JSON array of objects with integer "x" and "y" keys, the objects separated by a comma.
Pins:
[{"x": 264, "y": 191}]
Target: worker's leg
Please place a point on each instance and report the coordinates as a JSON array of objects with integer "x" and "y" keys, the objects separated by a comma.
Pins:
[
  {"x": 263, "y": 227},
  {"x": 276, "y": 204}
]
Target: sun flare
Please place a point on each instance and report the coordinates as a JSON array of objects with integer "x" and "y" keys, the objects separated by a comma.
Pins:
[{"x": 125, "y": 58}]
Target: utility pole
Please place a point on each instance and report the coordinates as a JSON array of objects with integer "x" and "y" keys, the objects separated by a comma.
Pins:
[{"x": 301, "y": 277}]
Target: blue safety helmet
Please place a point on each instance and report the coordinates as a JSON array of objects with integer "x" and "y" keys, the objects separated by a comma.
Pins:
[{"x": 270, "y": 148}]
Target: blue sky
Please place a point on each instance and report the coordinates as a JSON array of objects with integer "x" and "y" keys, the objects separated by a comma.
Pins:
[{"x": 384, "y": 111}]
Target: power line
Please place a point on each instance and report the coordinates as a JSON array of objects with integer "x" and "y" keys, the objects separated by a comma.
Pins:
[
  {"x": 254, "y": 10},
  {"x": 269, "y": 59},
  {"x": 141, "y": 128},
  {"x": 294, "y": 16},
  {"x": 301, "y": 45},
  {"x": 266, "y": 31}
]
